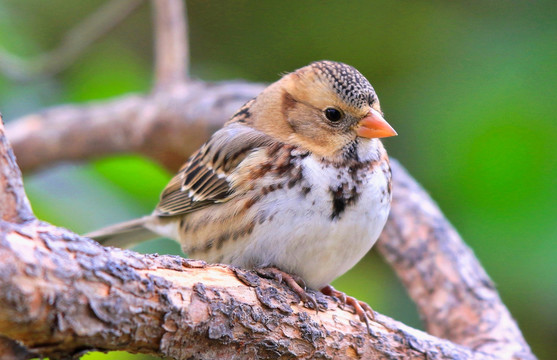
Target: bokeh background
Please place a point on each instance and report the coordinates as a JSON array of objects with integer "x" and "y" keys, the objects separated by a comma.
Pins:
[{"x": 470, "y": 87}]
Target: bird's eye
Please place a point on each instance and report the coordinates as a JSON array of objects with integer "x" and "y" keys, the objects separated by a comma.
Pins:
[{"x": 333, "y": 114}]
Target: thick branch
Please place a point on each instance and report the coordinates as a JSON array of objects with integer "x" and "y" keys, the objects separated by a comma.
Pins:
[
  {"x": 454, "y": 295},
  {"x": 183, "y": 117},
  {"x": 171, "y": 43},
  {"x": 61, "y": 294},
  {"x": 14, "y": 206}
]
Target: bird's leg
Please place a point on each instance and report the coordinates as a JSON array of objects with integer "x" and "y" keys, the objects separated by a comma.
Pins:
[
  {"x": 363, "y": 310},
  {"x": 294, "y": 282}
]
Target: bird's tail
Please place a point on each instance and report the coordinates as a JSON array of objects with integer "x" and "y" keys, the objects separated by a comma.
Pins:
[{"x": 125, "y": 234}]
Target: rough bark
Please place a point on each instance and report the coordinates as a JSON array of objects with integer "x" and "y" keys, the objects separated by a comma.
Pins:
[
  {"x": 455, "y": 297},
  {"x": 14, "y": 204},
  {"x": 62, "y": 295}
]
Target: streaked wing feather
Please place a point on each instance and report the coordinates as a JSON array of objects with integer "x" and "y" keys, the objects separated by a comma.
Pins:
[{"x": 205, "y": 178}]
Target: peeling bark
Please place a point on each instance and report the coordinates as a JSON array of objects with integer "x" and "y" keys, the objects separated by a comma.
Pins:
[{"x": 61, "y": 295}]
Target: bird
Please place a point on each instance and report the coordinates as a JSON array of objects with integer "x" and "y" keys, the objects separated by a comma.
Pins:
[{"x": 296, "y": 182}]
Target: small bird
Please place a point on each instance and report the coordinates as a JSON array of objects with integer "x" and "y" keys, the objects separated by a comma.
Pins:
[{"x": 296, "y": 182}]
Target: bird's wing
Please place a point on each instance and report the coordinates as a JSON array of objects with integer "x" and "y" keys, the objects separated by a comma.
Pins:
[{"x": 206, "y": 178}]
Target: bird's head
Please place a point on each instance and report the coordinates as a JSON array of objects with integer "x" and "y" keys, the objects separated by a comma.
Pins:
[{"x": 323, "y": 107}]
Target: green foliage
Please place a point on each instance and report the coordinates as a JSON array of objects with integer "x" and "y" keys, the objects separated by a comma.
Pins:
[
  {"x": 139, "y": 177},
  {"x": 115, "y": 355},
  {"x": 469, "y": 86}
]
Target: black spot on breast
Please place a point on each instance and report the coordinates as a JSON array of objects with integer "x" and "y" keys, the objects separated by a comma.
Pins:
[
  {"x": 184, "y": 225},
  {"x": 249, "y": 228},
  {"x": 339, "y": 204},
  {"x": 342, "y": 197},
  {"x": 295, "y": 178}
]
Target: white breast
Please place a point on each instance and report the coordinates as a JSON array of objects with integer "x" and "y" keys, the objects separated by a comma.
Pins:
[
  {"x": 300, "y": 235},
  {"x": 296, "y": 227}
]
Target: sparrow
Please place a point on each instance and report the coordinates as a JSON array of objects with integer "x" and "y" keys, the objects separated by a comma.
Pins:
[{"x": 297, "y": 181}]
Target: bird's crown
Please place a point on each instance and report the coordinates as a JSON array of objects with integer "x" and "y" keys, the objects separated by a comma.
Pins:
[{"x": 349, "y": 84}]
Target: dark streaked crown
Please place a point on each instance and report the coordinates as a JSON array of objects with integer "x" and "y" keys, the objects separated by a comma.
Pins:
[{"x": 350, "y": 85}]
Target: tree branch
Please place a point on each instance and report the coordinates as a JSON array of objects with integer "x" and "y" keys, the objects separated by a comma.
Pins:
[
  {"x": 14, "y": 204},
  {"x": 454, "y": 295},
  {"x": 184, "y": 117},
  {"x": 171, "y": 41},
  {"x": 61, "y": 294},
  {"x": 74, "y": 43}
]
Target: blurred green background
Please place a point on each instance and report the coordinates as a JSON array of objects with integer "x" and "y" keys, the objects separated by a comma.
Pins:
[{"x": 469, "y": 86}]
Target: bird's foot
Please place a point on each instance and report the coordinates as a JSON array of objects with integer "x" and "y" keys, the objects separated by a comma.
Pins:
[
  {"x": 294, "y": 282},
  {"x": 363, "y": 310}
]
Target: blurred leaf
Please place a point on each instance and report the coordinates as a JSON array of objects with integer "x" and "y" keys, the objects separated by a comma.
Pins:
[
  {"x": 138, "y": 176},
  {"x": 116, "y": 355},
  {"x": 110, "y": 71}
]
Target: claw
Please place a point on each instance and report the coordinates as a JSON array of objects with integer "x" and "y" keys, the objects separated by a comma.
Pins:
[
  {"x": 311, "y": 298},
  {"x": 295, "y": 283},
  {"x": 363, "y": 310}
]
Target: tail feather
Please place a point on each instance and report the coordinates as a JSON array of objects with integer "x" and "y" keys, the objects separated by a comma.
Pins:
[{"x": 125, "y": 234}]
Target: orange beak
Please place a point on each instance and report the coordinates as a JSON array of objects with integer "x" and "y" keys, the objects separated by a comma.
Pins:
[{"x": 374, "y": 126}]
